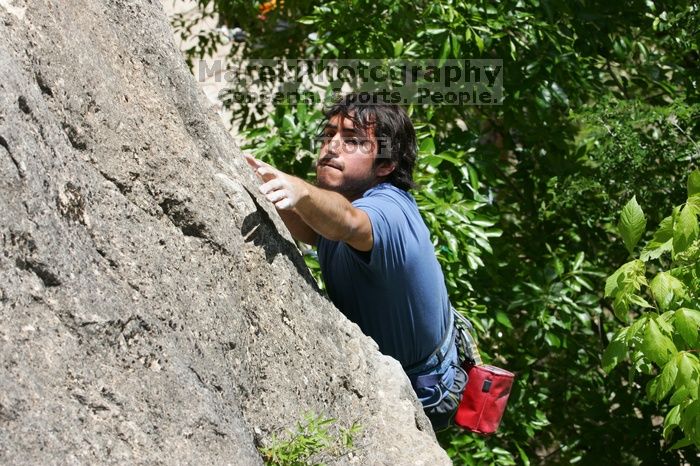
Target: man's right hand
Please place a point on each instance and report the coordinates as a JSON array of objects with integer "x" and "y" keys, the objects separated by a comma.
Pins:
[
  {"x": 283, "y": 190},
  {"x": 295, "y": 224}
]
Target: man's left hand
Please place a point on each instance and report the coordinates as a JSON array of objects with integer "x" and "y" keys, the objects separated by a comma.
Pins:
[{"x": 284, "y": 191}]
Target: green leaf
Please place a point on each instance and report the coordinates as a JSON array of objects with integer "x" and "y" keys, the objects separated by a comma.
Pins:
[
  {"x": 664, "y": 287},
  {"x": 687, "y": 326},
  {"x": 552, "y": 340},
  {"x": 687, "y": 373},
  {"x": 639, "y": 301},
  {"x": 513, "y": 50},
  {"x": 616, "y": 281},
  {"x": 614, "y": 353},
  {"x": 473, "y": 177},
  {"x": 632, "y": 224},
  {"x": 673, "y": 418},
  {"x": 694, "y": 183},
  {"x": 398, "y": 47},
  {"x": 690, "y": 414},
  {"x": 679, "y": 396},
  {"x": 693, "y": 315},
  {"x": 685, "y": 229},
  {"x": 658, "y": 251},
  {"x": 666, "y": 379},
  {"x": 694, "y": 202},
  {"x": 652, "y": 389},
  {"x": 523, "y": 456},
  {"x": 636, "y": 326},
  {"x": 682, "y": 443},
  {"x": 623, "y": 284},
  {"x": 656, "y": 346},
  {"x": 456, "y": 46},
  {"x": 503, "y": 319},
  {"x": 306, "y": 20},
  {"x": 447, "y": 157},
  {"x": 452, "y": 242},
  {"x": 427, "y": 146},
  {"x": 621, "y": 307},
  {"x": 664, "y": 323},
  {"x": 445, "y": 51},
  {"x": 661, "y": 242},
  {"x": 479, "y": 42},
  {"x": 435, "y": 31}
]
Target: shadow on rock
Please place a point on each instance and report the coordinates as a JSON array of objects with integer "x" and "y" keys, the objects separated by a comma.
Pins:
[{"x": 259, "y": 228}]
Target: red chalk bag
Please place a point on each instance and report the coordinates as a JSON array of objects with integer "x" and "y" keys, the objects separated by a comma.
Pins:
[{"x": 484, "y": 399}]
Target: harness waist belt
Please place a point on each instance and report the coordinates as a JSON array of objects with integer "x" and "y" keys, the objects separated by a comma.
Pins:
[{"x": 440, "y": 354}]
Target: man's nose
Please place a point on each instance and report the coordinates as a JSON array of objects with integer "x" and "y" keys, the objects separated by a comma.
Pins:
[{"x": 334, "y": 144}]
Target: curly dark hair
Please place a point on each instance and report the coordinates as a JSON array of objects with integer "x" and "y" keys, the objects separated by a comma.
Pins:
[{"x": 392, "y": 127}]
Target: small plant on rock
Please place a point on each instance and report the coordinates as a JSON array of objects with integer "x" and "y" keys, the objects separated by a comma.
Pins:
[{"x": 310, "y": 443}]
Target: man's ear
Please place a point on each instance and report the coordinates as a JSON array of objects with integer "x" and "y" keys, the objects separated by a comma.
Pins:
[{"x": 385, "y": 169}]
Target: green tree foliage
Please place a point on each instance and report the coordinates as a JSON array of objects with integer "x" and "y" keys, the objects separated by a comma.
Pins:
[
  {"x": 662, "y": 339},
  {"x": 600, "y": 104}
]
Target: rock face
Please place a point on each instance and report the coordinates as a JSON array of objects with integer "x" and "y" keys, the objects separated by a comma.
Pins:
[{"x": 152, "y": 307}]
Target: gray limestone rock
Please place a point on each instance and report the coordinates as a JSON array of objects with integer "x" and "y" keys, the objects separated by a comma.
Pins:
[{"x": 153, "y": 308}]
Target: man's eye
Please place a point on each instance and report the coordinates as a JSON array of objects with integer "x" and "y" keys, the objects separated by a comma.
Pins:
[{"x": 353, "y": 141}]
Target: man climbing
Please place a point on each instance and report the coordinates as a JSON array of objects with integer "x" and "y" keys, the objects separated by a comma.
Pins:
[{"x": 375, "y": 251}]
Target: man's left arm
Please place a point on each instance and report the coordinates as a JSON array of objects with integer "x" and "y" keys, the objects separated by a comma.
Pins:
[{"x": 328, "y": 213}]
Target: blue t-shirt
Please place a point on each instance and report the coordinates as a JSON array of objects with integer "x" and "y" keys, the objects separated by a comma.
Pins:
[{"x": 395, "y": 292}]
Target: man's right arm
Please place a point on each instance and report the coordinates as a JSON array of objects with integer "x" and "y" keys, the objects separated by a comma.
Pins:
[
  {"x": 317, "y": 210},
  {"x": 298, "y": 228}
]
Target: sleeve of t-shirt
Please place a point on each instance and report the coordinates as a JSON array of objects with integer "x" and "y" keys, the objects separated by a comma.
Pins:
[{"x": 388, "y": 230}]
